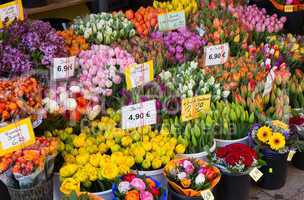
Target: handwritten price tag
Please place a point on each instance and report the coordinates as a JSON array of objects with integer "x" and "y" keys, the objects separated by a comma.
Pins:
[
  {"x": 290, "y": 155},
  {"x": 10, "y": 11},
  {"x": 217, "y": 54},
  {"x": 288, "y": 8},
  {"x": 171, "y": 21},
  {"x": 138, "y": 115},
  {"x": 63, "y": 68},
  {"x": 256, "y": 174},
  {"x": 16, "y": 136},
  {"x": 207, "y": 195},
  {"x": 193, "y": 107},
  {"x": 280, "y": 124},
  {"x": 139, "y": 74}
]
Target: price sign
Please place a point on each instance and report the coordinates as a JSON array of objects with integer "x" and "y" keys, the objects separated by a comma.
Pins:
[
  {"x": 290, "y": 155},
  {"x": 288, "y": 8},
  {"x": 139, "y": 74},
  {"x": 63, "y": 68},
  {"x": 10, "y": 11},
  {"x": 193, "y": 107},
  {"x": 256, "y": 174},
  {"x": 138, "y": 115},
  {"x": 171, "y": 21},
  {"x": 207, "y": 195},
  {"x": 268, "y": 84},
  {"x": 280, "y": 124},
  {"x": 16, "y": 136},
  {"x": 201, "y": 31},
  {"x": 217, "y": 54}
]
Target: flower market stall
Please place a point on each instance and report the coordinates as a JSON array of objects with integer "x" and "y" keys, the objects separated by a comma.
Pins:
[{"x": 181, "y": 99}]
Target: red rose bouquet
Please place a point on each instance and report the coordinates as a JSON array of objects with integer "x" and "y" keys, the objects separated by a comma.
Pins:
[{"x": 236, "y": 158}]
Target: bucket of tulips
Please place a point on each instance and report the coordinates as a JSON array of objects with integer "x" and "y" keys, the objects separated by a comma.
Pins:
[
  {"x": 272, "y": 139},
  {"x": 189, "y": 178},
  {"x": 296, "y": 124},
  {"x": 138, "y": 187},
  {"x": 27, "y": 173},
  {"x": 235, "y": 162}
]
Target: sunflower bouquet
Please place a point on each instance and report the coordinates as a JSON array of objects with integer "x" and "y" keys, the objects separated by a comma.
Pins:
[{"x": 271, "y": 135}]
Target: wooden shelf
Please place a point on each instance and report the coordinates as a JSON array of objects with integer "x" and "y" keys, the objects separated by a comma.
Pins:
[{"x": 54, "y": 5}]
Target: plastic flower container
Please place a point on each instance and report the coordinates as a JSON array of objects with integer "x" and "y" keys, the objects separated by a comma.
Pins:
[
  {"x": 223, "y": 143},
  {"x": 199, "y": 156},
  {"x": 275, "y": 170},
  {"x": 155, "y": 174},
  {"x": 106, "y": 195},
  {"x": 298, "y": 160}
]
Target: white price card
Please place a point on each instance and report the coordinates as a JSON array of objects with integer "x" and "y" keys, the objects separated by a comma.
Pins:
[
  {"x": 16, "y": 136},
  {"x": 139, "y": 74},
  {"x": 255, "y": 174},
  {"x": 268, "y": 84},
  {"x": 138, "y": 115},
  {"x": 63, "y": 68},
  {"x": 171, "y": 21},
  {"x": 290, "y": 155},
  {"x": 217, "y": 54},
  {"x": 207, "y": 195},
  {"x": 11, "y": 11}
]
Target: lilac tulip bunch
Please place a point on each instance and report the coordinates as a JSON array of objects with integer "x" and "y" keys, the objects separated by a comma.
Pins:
[
  {"x": 28, "y": 44},
  {"x": 255, "y": 19},
  {"x": 181, "y": 44}
]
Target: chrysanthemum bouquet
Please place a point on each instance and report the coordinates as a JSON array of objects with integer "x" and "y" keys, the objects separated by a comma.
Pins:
[
  {"x": 272, "y": 135},
  {"x": 189, "y": 177},
  {"x": 135, "y": 187},
  {"x": 236, "y": 158}
]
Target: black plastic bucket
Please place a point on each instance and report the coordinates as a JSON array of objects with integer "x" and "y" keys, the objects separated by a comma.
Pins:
[
  {"x": 172, "y": 195},
  {"x": 275, "y": 170},
  {"x": 33, "y": 3},
  {"x": 298, "y": 160},
  {"x": 233, "y": 187}
]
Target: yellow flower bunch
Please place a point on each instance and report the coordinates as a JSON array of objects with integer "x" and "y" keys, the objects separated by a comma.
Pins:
[
  {"x": 189, "y": 6},
  {"x": 275, "y": 140}
]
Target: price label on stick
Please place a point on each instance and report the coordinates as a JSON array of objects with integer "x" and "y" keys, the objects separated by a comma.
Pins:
[
  {"x": 193, "y": 107},
  {"x": 11, "y": 11},
  {"x": 139, "y": 74},
  {"x": 171, "y": 21},
  {"x": 217, "y": 54},
  {"x": 63, "y": 68},
  {"x": 16, "y": 136},
  {"x": 288, "y": 8},
  {"x": 256, "y": 174},
  {"x": 290, "y": 155},
  {"x": 138, "y": 115},
  {"x": 207, "y": 195}
]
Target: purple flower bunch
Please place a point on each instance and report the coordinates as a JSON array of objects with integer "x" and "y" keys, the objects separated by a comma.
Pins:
[
  {"x": 181, "y": 44},
  {"x": 28, "y": 44},
  {"x": 255, "y": 19}
]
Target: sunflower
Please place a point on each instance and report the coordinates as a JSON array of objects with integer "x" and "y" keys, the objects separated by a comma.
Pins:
[
  {"x": 264, "y": 133},
  {"x": 277, "y": 141}
]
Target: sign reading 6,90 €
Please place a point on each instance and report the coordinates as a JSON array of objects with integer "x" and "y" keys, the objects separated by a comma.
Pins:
[
  {"x": 217, "y": 54},
  {"x": 138, "y": 115},
  {"x": 63, "y": 68}
]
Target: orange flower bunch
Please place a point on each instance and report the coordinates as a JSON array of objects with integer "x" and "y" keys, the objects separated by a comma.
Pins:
[
  {"x": 73, "y": 43},
  {"x": 144, "y": 19},
  {"x": 19, "y": 97}
]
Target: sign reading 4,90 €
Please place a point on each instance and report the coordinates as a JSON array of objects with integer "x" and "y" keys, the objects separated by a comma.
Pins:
[
  {"x": 138, "y": 115},
  {"x": 16, "y": 136},
  {"x": 10, "y": 11}
]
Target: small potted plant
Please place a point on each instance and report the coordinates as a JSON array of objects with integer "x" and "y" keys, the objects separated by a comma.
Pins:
[
  {"x": 138, "y": 187},
  {"x": 235, "y": 162},
  {"x": 188, "y": 178},
  {"x": 272, "y": 140}
]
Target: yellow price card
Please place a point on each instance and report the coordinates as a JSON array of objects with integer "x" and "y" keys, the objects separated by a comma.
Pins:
[
  {"x": 10, "y": 11},
  {"x": 15, "y": 136},
  {"x": 193, "y": 107},
  {"x": 139, "y": 74},
  {"x": 288, "y": 8},
  {"x": 280, "y": 124}
]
